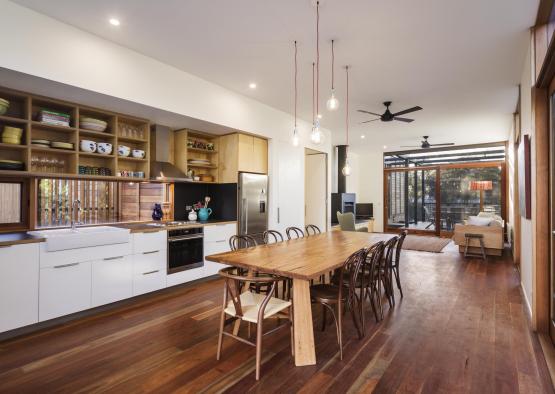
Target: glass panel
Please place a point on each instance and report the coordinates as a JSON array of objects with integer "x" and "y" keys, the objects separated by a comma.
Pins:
[
  {"x": 10, "y": 203},
  {"x": 461, "y": 197},
  {"x": 411, "y": 200}
]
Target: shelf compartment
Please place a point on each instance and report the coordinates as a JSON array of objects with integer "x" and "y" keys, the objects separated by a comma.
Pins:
[
  {"x": 95, "y": 114},
  {"x": 18, "y": 108},
  {"x": 141, "y": 126},
  {"x": 16, "y": 124},
  {"x": 99, "y": 161},
  {"x": 15, "y": 154},
  {"x": 38, "y": 104},
  {"x": 54, "y": 135},
  {"x": 63, "y": 161}
]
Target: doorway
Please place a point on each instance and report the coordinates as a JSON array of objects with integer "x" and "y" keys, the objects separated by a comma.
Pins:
[{"x": 316, "y": 188}]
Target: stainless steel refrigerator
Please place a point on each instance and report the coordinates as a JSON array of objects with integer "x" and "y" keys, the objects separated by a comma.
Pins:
[{"x": 253, "y": 205}]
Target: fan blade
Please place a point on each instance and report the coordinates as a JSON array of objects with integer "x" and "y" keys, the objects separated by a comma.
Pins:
[
  {"x": 368, "y": 112},
  {"x": 406, "y": 111},
  {"x": 368, "y": 121},
  {"x": 403, "y": 119},
  {"x": 446, "y": 144}
]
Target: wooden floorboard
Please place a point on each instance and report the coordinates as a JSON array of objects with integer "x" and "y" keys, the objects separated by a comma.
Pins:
[{"x": 461, "y": 328}]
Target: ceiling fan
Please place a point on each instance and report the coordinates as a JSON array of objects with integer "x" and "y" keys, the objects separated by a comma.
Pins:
[
  {"x": 387, "y": 116},
  {"x": 425, "y": 144}
]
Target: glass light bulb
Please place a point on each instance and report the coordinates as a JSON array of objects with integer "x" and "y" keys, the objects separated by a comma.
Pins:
[
  {"x": 316, "y": 135},
  {"x": 295, "y": 139},
  {"x": 333, "y": 103},
  {"x": 346, "y": 170}
]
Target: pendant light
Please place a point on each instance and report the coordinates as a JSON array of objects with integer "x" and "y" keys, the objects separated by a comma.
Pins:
[
  {"x": 332, "y": 103},
  {"x": 295, "y": 137},
  {"x": 316, "y": 136},
  {"x": 346, "y": 170}
]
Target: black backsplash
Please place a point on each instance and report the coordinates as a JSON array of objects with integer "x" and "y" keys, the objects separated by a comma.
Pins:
[{"x": 223, "y": 199}]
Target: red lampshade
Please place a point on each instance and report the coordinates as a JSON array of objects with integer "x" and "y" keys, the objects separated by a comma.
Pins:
[{"x": 481, "y": 185}]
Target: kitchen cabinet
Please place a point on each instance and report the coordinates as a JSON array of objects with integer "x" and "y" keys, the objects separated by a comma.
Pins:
[
  {"x": 64, "y": 289},
  {"x": 216, "y": 240},
  {"x": 242, "y": 153},
  {"x": 149, "y": 271},
  {"x": 112, "y": 280},
  {"x": 19, "y": 274}
]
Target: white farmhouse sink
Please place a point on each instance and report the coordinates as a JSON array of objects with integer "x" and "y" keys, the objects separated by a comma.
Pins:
[{"x": 82, "y": 237}]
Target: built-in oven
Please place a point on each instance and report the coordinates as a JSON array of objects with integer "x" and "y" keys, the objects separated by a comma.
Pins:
[{"x": 185, "y": 249}]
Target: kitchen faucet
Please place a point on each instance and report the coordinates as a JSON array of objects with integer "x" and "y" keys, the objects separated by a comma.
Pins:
[{"x": 74, "y": 212}]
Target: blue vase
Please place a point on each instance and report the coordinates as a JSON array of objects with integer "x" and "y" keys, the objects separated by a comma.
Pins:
[
  {"x": 203, "y": 214},
  {"x": 157, "y": 212}
]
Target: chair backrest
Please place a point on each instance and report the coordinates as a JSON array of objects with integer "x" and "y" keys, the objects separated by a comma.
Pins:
[
  {"x": 346, "y": 221},
  {"x": 400, "y": 246},
  {"x": 235, "y": 280},
  {"x": 241, "y": 242},
  {"x": 374, "y": 258},
  {"x": 312, "y": 228},
  {"x": 294, "y": 232},
  {"x": 389, "y": 251},
  {"x": 354, "y": 266},
  {"x": 272, "y": 237}
]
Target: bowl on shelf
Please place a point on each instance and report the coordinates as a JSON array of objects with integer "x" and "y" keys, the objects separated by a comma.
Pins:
[
  {"x": 4, "y": 105},
  {"x": 92, "y": 124},
  {"x": 11, "y": 165},
  {"x": 11, "y": 140},
  {"x": 104, "y": 148},
  {"x": 87, "y": 146},
  {"x": 61, "y": 145},
  {"x": 123, "y": 150},
  {"x": 14, "y": 132},
  {"x": 138, "y": 153},
  {"x": 41, "y": 143}
]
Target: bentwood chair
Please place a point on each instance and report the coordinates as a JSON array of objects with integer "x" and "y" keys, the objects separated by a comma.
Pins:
[
  {"x": 395, "y": 263},
  {"x": 334, "y": 297},
  {"x": 294, "y": 232},
  {"x": 272, "y": 237},
  {"x": 312, "y": 228},
  {"x": 237, "y": 242},
  {"x": 252, "y": 308},
  {"x": 386, "y": 270}
]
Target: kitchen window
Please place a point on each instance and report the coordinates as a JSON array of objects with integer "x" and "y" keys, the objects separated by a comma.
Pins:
[{"x": 13, "y": 204}]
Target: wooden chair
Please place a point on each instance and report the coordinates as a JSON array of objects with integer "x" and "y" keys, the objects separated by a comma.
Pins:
[
  {"x": 386, "y": 269},
  {"x": 252, "y": 308},
  {"x": 294, "y": 232},
  {"x": 272, "y": 237},
  {"x": 332, "y": 297},
  {"x": 237, "y": 242},
  {"x": 395, "y": 264},
  {"x": 312, "y": 227}
]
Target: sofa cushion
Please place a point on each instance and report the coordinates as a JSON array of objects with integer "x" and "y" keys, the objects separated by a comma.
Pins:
[{"x": 479, "y": 221}]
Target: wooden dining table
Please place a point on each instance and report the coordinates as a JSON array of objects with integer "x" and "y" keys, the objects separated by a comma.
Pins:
[{"x": 302, "y": 260}]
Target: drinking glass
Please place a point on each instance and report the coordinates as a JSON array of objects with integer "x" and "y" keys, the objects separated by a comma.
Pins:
[
  {"x": 61, "y": 165},
  {"x": 43, "y": 164}
]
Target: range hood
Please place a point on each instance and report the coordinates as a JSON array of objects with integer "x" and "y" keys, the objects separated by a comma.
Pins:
[{"x": 161, "y": 169}]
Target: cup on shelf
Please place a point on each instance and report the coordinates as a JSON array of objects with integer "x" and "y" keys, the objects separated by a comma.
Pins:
[
  {"x": 138, "y": 153},
  {"x": 87, "y": 146},
  {"x": 104, "y": 148},
  {"x": 123, "y": 150}
]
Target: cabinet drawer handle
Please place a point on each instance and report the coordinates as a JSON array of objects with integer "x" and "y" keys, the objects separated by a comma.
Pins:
[
  {"x": 113, "y": 258},
  {"x": 154, "y": 251},
  {"x": 151, "y": 272},
  {"x": 66, "y": 265}
]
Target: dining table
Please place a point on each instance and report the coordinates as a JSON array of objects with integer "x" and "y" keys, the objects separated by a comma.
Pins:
[{"x": 302, "y": 260}]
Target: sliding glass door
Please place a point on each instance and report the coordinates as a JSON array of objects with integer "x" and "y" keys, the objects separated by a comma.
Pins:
[{"x": 411, "y": 200}]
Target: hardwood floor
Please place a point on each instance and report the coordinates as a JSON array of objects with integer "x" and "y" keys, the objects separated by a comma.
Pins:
[{"x": 461, "y": 327}]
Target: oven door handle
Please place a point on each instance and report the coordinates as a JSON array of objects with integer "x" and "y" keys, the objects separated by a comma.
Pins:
[{"x": 185, "y": 238}]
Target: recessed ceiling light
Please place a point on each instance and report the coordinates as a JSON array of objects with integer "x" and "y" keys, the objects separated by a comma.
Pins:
[
  {"x": 319, "y": 116},
  {"x": 363, "y": 136},
  {"x": 252, "y": 85},
  {"x": 114, "y": 22},
  {"x": 385, "y": 146}
]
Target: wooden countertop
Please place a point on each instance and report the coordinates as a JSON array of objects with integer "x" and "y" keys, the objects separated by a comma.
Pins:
[
  {"x": 148, "y": 227},
  {"x": 10, "y": 239}
]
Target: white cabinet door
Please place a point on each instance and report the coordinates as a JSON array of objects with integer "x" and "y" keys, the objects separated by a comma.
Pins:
[
  {"x": 112, "y": 279},
  {"x": 150, "y": 242},
  {"x": 149, "y": 271},
  {"x": 64, "y": 289},
  {"x": 216, "y": 240},
  {"x": 19, "y": 273}
]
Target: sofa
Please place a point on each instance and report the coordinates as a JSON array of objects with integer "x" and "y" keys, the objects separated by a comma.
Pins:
[{"x": 490, "y": 225}]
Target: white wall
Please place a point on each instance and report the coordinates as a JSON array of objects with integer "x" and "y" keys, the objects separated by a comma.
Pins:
[
  {"x": 526, "y": 250},
  {"x": 27, "y": 39}
]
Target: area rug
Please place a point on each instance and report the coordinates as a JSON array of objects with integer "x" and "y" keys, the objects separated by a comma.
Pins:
[{"x": 425, "y": 244}]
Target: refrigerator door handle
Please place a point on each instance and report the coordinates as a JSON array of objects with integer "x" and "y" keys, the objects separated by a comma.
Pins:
[
  {"x": 278, "y": 215},
  {"x": 243, "y": 220},
  {"x": 246, "y": 216}
]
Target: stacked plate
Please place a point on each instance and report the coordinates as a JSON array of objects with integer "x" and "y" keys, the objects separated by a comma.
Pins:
[
  {"x": 4, "y": 105},
  {"x": 61, "y": 145},
  {"x": 12, "y": 135},
  {"x": 11, "y": 165},
  {"x": 41, "y": 143},
  {"x": 92, "y": 124},
  {"x": 199, "y": 162}
]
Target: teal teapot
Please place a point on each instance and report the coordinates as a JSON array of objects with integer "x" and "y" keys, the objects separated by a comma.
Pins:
[{"x": 204, "y": 213}]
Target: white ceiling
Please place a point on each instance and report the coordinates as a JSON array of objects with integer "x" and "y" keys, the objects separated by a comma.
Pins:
[{"x": 460, "y": 60}]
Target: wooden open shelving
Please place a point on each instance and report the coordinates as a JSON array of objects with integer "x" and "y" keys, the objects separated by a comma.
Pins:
[
  {"x": 23, "y": 113},
  {"x": 184, "y": 152}
]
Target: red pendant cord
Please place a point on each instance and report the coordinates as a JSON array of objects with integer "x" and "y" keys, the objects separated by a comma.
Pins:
[
  {"x": 347, "y": 109},
  {"x": 317, "y": 56},
  {"x": 295, "y": 84},
  {"x": 332, "y": 63}
]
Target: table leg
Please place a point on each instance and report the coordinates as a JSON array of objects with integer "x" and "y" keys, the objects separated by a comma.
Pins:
[{"x": 305, "y": 352}]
